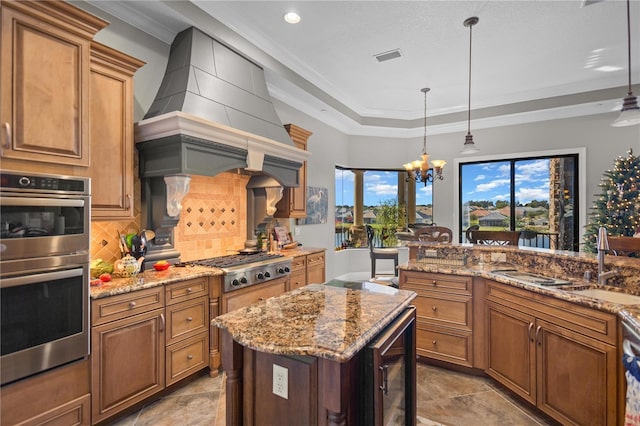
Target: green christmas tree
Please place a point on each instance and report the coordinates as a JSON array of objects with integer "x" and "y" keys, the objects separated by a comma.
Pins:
[{"x": 618, "y": 206}]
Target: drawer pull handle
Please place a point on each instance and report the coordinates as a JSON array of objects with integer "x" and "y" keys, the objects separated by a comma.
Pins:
[
  {"x": 435, "y": 342},
  {"x": 434, "y": 308},
  {"x": 189, "y": 318},
  {"x": 132, "y": 304},
  {"x": 189, "y": 357}
]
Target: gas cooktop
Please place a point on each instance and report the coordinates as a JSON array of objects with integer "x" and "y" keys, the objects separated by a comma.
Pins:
[{"x": 234, "y": 260}]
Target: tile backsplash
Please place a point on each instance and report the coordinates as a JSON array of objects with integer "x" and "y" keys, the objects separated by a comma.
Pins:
[{"x": 212, "y": 222}]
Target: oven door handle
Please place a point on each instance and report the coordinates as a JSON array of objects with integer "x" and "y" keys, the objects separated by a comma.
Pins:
[
  {"x": 41, "y": 202},
  {"x": 37, "y": 278}
]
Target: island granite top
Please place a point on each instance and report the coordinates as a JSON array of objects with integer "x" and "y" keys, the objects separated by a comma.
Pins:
[{"x": 317, "y": 320}]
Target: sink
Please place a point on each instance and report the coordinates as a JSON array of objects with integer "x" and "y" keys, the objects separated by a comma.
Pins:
[
  {"x": 610, "y": 296},
  {"x": 529, "y": 277}
]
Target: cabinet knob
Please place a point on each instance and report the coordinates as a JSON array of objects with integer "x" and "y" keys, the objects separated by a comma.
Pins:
[
  {"x": 132, "y": 304},
  {"x": 189, "y": 319},
  {"x": 434, "y": 308},
  {"x": 434, "y": 282},
  {"x": 260, "y": 299},
  {"x": 189, "y": 357},
  {"x": 189, "y": 290},
  {"x": 435, "y": 342}
]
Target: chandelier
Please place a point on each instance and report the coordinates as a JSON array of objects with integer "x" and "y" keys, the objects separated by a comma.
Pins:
[{"x": 419, "y": 169}]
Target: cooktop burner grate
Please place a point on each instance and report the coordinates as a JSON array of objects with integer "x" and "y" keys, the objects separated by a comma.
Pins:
[{"x": 234, "y": 260}]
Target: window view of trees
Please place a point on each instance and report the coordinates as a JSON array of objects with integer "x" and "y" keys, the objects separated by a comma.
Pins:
[
  {"x": 536, "y": 196},
  {"x": 384, "y": 204}
]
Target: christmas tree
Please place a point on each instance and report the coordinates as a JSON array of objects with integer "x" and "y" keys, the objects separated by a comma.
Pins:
[{"x": 618, "y": 206}]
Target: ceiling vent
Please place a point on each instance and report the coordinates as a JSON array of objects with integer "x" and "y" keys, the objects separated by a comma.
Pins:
[{"x": 387, "y": 56}]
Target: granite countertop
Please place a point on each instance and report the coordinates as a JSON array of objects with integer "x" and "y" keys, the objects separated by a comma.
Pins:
[
  {"x": 301, "y": 251},
  {"x": 151, "y": 278},
  {"x": 316, "y": 320}
]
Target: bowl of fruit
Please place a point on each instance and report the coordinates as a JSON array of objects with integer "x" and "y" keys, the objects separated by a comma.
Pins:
[{"x": 161, "y": 265}]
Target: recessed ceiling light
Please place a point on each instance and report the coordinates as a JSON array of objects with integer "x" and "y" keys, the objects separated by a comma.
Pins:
[{"x": 292, "y": 17}]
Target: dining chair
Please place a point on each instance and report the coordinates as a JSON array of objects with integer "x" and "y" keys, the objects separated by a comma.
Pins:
[
  {"x": 624, "y": 246},
  {"x": 434, "y": 234},
  {"x": 380, "y": 253},
  {"x": 498, "y": 238}
]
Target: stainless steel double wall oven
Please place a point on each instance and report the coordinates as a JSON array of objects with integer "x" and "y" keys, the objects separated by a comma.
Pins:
[{"x": 44, "y": 272}]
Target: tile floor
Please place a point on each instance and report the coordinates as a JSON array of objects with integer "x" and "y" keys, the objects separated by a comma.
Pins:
[{"x": 444, "y": 398}]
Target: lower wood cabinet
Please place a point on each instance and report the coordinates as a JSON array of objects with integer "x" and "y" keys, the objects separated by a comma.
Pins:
[
  {"x": 146, "y": 340},
  {"x": 559, "y": 356},
  {"x": 444, "y": 313},
  {"x": 246, "y": 296},
  {"x": 56, "y": 397},
  {"x": 307, "y": 269}
]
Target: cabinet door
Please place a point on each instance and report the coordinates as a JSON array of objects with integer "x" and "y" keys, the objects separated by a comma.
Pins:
[
  {"x": 293, "y": 203},
  {"x": 576, "y": 376},
  {"x": 315, "y": 268},
  {"x": 44, "y": 85},
  {"x": 111, "y": 115},
  {"x": 127, "y": 362},
  {"x": 297, "y": 279},
  {"x": 510, "y": 350}
]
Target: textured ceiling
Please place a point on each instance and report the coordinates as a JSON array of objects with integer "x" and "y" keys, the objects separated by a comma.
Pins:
[{"x": 531, "y": 60}]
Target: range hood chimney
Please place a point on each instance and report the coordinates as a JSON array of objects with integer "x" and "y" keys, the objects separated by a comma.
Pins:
[{"x": 212, "y": 114}]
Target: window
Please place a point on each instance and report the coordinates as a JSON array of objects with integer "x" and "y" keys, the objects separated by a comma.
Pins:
[
  {"x": 537, "y": 196},
  {"x": 380, "y": 188}
]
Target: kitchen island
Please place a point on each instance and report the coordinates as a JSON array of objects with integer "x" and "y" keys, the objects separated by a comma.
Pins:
[{"x": 298, "y": 358}]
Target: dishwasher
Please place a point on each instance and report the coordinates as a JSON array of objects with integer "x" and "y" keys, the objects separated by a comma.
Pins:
[{"x": 631, "y": 362}]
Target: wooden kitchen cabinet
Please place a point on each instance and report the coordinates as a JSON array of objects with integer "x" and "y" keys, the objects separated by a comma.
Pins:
[
  {"x": 187, "y": 337},
  {"x": 44, "y": 85},
  {"x": 128, "y": 351},
  {"x": 444, "y": 315},
  {"x": 559, "y": 356},
  {"x": 293, "y": 203},
  {"x": 111, "y": 133},
  {"x": 307, "y": 269}
]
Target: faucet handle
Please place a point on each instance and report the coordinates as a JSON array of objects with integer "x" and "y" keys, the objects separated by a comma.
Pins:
[{"x": 603, "y": 241}]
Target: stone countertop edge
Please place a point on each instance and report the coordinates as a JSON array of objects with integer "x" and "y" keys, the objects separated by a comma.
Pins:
[
  {"x": 628, "y": 313},
  {"x": 301, "y": 251},
  {"x": 151, "y": 278},
  {"x": 316, "y": 320}
]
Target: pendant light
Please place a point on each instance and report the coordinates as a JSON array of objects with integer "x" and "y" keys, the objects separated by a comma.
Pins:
[
  {"x": 469, "y": 146},
  {"x": 419, "y": 169},
  {"x": 630, "y": 113}
]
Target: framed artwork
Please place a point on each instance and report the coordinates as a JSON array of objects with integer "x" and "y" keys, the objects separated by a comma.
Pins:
[{"x": 317, "y": 206}]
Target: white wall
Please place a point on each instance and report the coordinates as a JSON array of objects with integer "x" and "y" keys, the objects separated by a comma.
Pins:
[{"x": 329, "y": 147}]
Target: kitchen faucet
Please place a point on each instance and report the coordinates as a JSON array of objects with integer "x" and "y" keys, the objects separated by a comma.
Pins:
[{"x": 603, "y": 247}]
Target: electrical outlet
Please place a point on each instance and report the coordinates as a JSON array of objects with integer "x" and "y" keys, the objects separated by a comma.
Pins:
[
  {"x": 498, "y": 257},
  {"x": 296, "y": 231},
  {"x": 280, "y": 381}
]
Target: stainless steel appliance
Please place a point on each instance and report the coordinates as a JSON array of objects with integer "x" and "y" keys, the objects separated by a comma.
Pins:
[
  {"x": 244, "y": 270},
  {"x": 44, "y": 272}
]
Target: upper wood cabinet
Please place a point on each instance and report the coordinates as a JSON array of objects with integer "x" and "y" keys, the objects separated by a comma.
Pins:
[
  {"x": 111, "y": 116},
  {"x": 293, "y": 203},
  {"x": 44, "y": 85}
]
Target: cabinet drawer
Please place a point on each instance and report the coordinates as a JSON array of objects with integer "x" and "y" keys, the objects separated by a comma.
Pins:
[
  {"x": 187, "y": 319},
  {"x": 451, "y": 311},
  {"x": 186, "y": 357},
  {"x": 581, "y": 319},
  {"x": 297, "y": 279},
  {"x": 185, "y": 290},
  {"x": 299, "y": 263},
  {"x": 424, "y": 281},
  {"x": 124, "y": 305},
  {"x": 245, "y": 297},
  {"x": 315, "y": 259},
  {"x": 446, "y": 345}
]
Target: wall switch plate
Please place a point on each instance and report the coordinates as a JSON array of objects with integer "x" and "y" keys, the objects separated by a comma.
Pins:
[
  {"x": 498, "y": 257},
  {"x": 296, "y": 231},
  {"x": 280, "y": 381}
]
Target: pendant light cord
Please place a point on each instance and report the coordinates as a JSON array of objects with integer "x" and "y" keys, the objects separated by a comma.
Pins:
[
  {"x": 629, "y": 43},
  {"x": 424, "y": 141},
  {"x": 469, "y": 108}
]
